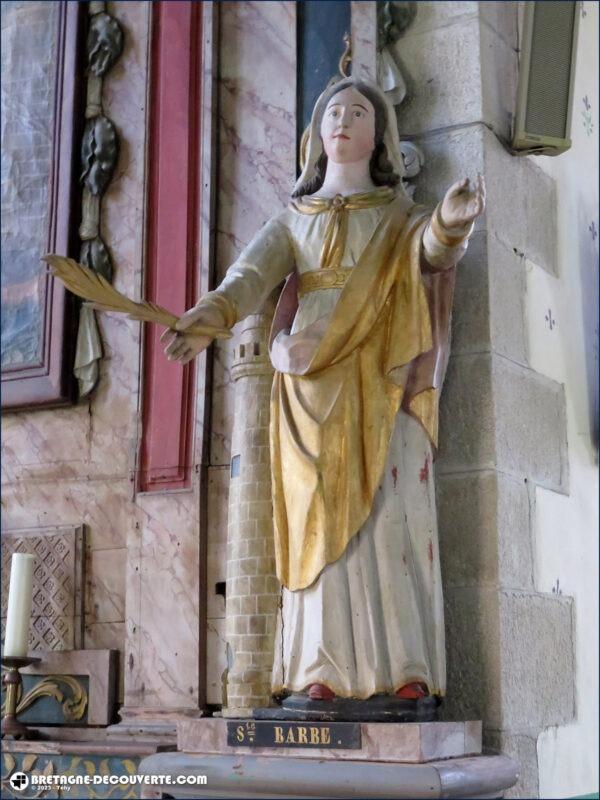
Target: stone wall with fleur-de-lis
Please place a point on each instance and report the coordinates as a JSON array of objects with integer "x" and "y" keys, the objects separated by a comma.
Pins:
[
  {"x": 502, "y": 424},
  {"x": 561, "y": 312}
]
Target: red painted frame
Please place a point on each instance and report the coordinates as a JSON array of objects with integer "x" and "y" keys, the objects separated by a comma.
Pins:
[
  {"x": 173, "y": 238},
  {"x": 51, "y": 382}
]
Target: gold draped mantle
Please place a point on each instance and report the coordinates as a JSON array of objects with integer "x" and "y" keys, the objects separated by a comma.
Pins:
[{"x": 337, "y": 389}]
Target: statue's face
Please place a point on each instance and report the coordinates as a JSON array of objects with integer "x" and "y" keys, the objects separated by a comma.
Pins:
[{"x": 348, "y": 127}]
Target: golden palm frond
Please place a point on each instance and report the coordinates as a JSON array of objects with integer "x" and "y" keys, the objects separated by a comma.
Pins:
[{"x": 100, "y": 295}]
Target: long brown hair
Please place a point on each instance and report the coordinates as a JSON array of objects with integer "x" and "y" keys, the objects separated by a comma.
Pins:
[{"x": 382, "y": 171}]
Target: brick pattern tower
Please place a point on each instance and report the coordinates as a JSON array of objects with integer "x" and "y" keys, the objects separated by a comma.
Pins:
[{"x": 252, "y": 588}]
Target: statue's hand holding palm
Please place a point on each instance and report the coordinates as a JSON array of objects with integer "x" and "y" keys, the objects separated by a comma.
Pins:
[{"x": 183, "y": 347}]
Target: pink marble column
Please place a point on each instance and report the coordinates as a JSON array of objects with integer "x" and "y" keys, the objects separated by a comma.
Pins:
[{"x": 364, "y": 39}]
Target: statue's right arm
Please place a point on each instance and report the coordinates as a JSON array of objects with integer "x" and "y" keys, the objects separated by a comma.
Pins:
[{"x": 261, "y": 266}]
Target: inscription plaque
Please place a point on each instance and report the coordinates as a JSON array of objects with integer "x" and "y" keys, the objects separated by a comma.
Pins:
[{"x": 276, "y": 733}]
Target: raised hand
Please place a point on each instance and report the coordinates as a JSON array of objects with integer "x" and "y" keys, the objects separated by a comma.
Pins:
[{"x": 461, "y": 204}]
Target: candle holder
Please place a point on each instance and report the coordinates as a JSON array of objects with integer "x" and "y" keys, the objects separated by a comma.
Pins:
[{"x": 12, "y": 680}]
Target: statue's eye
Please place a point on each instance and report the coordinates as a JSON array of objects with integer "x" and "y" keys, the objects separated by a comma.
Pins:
[
  {"x": 358, "y": 114},
  {"x": 333, "y": 113}
]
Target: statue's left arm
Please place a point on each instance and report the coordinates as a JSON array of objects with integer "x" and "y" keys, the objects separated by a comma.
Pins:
[{"x": 446, "y": 236}]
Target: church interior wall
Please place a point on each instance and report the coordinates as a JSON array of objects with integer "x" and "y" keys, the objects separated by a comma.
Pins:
[{"x": 536, "y": 501}]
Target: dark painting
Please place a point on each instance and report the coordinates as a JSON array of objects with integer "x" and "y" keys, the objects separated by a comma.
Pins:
[{"x": 29, "y": 55}]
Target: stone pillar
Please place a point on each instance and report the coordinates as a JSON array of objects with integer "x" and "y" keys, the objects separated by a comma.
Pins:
[
  {"x": 252, "y": 589},
  {"x": 503, "y": 426}
]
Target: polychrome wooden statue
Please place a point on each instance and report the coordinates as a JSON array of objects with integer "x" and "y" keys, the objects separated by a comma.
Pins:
[{"x": 359, "y": 344}]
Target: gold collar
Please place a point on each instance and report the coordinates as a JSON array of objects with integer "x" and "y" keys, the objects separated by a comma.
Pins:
[
  {"x": 310, "y": 204},
  {"x": 336, "y": 230}
]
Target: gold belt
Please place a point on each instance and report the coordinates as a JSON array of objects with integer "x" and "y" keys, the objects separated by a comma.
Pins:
[{"x": 322, "y": 279}]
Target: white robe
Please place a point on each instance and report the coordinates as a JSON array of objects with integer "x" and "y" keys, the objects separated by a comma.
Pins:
[{"x": 373, "y": 620}]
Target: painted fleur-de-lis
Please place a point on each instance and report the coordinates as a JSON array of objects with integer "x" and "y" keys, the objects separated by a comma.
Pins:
[
  {"x": 583, "y": 9},
  {"x": 593, "y": 230},
  {"x": 550, "y": 320},
  {"x": 588, "y": 125}
]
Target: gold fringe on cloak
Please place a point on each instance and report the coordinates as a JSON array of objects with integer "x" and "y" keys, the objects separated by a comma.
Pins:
[{"x": 333, "y": 409}]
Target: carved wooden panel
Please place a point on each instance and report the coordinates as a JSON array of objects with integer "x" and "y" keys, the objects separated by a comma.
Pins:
[{"x": 57, "y": 609}]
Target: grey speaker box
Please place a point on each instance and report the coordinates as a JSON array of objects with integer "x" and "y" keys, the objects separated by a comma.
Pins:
[{"x": 546, "y": 77}]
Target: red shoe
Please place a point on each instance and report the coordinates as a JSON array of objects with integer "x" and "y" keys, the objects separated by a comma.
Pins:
[
  {"x": 318, "y": 691},
  {"x": 412, "y": 691}
]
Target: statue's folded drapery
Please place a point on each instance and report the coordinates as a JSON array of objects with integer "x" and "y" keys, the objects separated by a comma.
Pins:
[
  {"x": 337, "y": 389},
  {"x": 359, "y": 368}
]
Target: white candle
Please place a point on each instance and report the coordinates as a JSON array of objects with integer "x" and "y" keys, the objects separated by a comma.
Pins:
[{"x": 18, "y": 613}]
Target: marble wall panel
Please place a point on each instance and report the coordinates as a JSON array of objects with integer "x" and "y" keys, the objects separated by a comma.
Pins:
[
  {"x": 108, "y": 636},
  {"x": 218, "y": 497},
  {"x": 257, "y": 134},
  {"x": 45, "y": 444},
  {"x": 69, "y": 444},
  {"x": 132, "y": 661},
  {"x": 163, "y": 641},
  {"x": 217, "y": 660},
  {"x": 161, "y": 663},
  {"x": 257, "y": 94},
  {"x": 364, "y": 39},
  {"x": 208, "y": 146},
  {"x": 218, "y": 493},
  {"x": 105, "y": 507},
  {"x": 105, "y": 586}
]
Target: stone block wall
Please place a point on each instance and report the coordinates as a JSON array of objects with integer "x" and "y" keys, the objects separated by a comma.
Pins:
[{"x": 503, "y": 426}]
